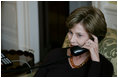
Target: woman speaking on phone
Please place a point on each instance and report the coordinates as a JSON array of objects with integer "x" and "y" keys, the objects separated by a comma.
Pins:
[{"x": 87, "y": 27}]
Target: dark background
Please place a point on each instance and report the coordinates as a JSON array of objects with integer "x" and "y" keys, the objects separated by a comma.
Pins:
[{"x": 52, "y": 28}]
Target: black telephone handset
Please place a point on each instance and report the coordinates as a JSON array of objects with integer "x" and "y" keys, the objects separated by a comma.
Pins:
[{"x": 76, "y": 50}]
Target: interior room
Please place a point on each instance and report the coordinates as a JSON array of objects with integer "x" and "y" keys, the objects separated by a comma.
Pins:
[{"x": 31, "y": 29}]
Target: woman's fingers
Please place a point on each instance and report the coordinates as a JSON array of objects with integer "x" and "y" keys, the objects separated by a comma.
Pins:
[
  {"x": 92, "y": 46},
  {"x": 95, "y": 39}
]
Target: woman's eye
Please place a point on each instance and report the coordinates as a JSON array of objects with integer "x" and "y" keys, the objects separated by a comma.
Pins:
[
  {"x": 70, "y": 32},
  {"x": 79, "y": 35}
]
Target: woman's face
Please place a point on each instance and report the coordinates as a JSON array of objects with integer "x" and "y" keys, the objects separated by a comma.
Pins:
[{"x": 77, "y": 35}]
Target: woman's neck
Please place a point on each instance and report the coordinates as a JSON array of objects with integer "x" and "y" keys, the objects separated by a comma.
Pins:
[{"x": 77, "y": 60}]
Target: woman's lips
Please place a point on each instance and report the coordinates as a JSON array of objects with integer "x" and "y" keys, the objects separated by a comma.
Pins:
[{"x": 71, "y": 45}]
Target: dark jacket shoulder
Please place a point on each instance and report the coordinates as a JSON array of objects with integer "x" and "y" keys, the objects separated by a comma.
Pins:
[
  {"x": 106, "y": 66},
  {"x": 104, "y": 60}
]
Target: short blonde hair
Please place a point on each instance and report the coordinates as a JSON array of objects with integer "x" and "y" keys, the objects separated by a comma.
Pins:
[{"x": 91, "y": 18}]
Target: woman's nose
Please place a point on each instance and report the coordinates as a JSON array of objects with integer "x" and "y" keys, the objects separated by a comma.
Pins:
[{"x": 73, "y": 39}]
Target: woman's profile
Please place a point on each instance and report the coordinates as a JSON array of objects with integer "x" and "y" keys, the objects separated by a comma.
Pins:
[{"x": 87, "y": 27}]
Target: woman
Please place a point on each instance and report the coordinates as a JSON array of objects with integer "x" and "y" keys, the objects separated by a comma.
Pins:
[{"x": 87, "y": 27}]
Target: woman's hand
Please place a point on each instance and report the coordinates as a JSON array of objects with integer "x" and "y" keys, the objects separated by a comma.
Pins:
[{"x": 92, "y": 46}]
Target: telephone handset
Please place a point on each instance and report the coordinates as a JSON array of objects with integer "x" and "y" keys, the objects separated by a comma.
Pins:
[{"x": 76, "y": 50}]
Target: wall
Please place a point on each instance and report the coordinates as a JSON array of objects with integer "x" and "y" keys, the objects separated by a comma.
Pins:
[
  {"x": 76, "y": 4},
  {"x": 20, "y": 26},
  {"x": 9, "y": 35}
]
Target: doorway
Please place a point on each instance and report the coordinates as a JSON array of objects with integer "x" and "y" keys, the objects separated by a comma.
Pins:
[{"x": 52, "y": 28}]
